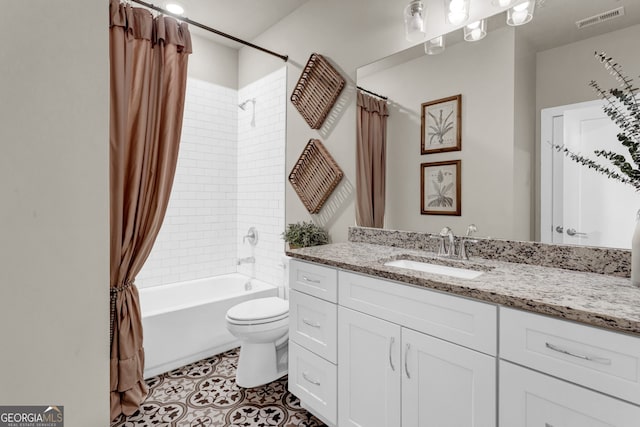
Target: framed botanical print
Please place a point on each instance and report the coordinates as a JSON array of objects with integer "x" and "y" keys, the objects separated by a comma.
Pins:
[
  {"x": 441, "y": 124},
  {"x": 440, "y": 188}
]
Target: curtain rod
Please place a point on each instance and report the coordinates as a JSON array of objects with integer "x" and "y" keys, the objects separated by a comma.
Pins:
[
  {"x": 211, "y": 30},
  {"x": 372, "y": 93}
]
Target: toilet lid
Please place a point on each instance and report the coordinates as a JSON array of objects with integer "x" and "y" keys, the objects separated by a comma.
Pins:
[{"x": 259, "y": 309}]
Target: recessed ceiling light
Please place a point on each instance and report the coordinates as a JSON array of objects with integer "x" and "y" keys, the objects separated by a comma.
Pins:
[{"x": 175, "y": 8}]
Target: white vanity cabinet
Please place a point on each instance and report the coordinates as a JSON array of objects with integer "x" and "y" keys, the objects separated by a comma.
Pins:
[
  {"x": 313, "y": 338},
  {"x": 367, "y": 352},
  {"x": 556, "y": 373},
  {"x": 411, "y": 378}
]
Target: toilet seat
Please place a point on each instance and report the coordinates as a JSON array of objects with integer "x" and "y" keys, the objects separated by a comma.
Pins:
[{"x": 258, "y": 311}]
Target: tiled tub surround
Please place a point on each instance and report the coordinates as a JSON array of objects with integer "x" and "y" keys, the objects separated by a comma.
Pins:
[
  {"x": 614, "y": 262},
  {"x": 596, "y": 299}
]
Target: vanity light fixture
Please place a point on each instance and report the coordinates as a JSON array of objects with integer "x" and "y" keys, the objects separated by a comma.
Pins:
[
  {"x": 434, "y": 46},
  {"x": 457, "y": 11},
  {"x": 175, "y": 8},
  {"x": 414, "y": 17},
  {"x": 475, "y": 31},
  {"x": 502, "y": 3},
  {"x": 521, "y": 13}
]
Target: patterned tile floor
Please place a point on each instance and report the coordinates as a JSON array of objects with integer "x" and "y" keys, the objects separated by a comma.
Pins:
[{"x": 205, "y": 394}]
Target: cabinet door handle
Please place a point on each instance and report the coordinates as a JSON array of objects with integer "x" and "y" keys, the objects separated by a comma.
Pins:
[
  {"x": 310, "y": 323},
  {"x": 601, "y": 360},
  {"x": 312, "y": 381},
  {"x": 391, "y": 341},
  {"x": 306, "y": 279},
  {"x": 406, "y": 354}
]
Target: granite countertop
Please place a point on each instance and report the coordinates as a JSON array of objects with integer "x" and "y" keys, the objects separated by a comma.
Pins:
[{"x": 594, "y": 299}]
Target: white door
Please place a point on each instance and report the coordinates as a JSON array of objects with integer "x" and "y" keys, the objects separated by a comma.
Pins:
[
  {"x": 446, "y": 385},
  {"x": 368, "y": 371},
  {"x": 532, "y": 399},
  {"x": 578, "y": 205}
]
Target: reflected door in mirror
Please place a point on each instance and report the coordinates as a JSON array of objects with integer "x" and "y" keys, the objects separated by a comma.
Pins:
[{"x": 582, "y": 206}]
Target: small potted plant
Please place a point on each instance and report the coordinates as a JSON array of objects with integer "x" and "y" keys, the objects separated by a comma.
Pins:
[{"x": 304, "y": 234}]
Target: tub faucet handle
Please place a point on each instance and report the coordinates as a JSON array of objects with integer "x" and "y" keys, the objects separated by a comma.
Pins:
[{"x": 251, "y": 236}]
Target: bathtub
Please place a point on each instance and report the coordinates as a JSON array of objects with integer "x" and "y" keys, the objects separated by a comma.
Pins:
[{"x": 185, "y": 322}]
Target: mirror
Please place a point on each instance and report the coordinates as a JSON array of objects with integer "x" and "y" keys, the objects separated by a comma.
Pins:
[{"x": 506, "y": 80}]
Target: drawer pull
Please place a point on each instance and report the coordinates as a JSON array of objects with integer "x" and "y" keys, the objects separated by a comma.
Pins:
[
  {"x": 600, "y": 360},
  {"x": 406, "y": 354},
  {"x": 391, "y": 341},
  {"x": 310, "y": 323},
  {"x": 312, "y": 381},
  {"x": 306, "y": 279}
]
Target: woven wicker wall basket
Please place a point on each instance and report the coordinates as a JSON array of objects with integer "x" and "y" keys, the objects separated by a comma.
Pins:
[
  {"x": 317, "y": 90},
  {"x": 315, "y": 176}
]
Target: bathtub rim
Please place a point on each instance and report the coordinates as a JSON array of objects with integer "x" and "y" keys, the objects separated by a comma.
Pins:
[{"x": 172, "y": 308}]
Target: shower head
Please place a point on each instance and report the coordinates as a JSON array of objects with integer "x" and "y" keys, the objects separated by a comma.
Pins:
[{"x": 243, "y": 105}]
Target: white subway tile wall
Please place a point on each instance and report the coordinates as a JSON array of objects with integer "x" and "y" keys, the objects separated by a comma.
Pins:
[
  {"x": 198, "y": 236},
  {"x": 202, "y": 232},
  {"x": 261, "y": 175}
]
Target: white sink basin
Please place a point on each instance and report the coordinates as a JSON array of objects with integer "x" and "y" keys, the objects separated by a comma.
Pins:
[{"x": 461, "y": 273}]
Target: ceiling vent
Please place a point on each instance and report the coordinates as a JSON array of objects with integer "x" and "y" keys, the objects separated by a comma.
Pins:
[{"x": 601, "y": 17}]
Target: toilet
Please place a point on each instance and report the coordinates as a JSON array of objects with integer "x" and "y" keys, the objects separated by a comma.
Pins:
[{"x": 262, "y": 326}]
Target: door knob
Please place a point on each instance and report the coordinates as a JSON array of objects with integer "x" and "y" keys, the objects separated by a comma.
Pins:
[
  {"x": 572, "y": 232},
  {"x": 559, "y": 229}
]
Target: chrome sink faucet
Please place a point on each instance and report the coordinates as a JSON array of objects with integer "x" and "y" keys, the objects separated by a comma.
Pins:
[
  {"x": 464, "y": 239},
  {"x": 451, "y": 250}
]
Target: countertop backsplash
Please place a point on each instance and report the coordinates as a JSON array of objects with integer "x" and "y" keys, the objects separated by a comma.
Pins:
[{"x": 613, "y": 262}]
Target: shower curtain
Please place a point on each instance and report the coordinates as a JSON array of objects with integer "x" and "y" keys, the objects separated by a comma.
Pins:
[
  {"x": 148, "y": 60},
  {"x": 371, "y": 158}
]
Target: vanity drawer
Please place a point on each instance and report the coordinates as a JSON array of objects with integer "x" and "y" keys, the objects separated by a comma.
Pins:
[
  {"x": 459, "y": 320},
  {"x": 313, "y": 324},
  {"x": 532, "y": 399},
  {"x": 315, "y": 280},
  {"x": 314, "y": 381},
  {"x": 603, "y": 360}
]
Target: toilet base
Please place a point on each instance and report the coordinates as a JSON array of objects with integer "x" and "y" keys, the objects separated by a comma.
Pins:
[{"x": 261, "y": 363}]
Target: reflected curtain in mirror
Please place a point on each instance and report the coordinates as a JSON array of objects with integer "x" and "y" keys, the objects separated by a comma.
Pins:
[
  {"x": 371, "y": 129},
  {"x": 148, "y": 68}
]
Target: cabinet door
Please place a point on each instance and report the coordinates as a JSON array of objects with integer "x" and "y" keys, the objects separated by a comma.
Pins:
[
  {"x": 446, "y": 385},
  {"x": 532, "y": 399},
  {"x": 368, "y": 371}
]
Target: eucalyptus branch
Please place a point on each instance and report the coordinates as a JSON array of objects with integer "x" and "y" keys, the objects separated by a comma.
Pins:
[
  {"x": 623, "y": 108},
  {"x": 591, "y": 164}
]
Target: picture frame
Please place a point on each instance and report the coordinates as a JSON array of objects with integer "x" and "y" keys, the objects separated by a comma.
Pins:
[
  {"x": 440, "y": 188},
  {"x": 441, "y": 125}
]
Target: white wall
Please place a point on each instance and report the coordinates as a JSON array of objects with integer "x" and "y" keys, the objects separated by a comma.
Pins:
[
  {"x": 213, "y": 62},
  {"x": 328, "y": 27},
  {"x": 54, "y": 216},
  {"x": 198, "y": 235},
  {"x": 261, "y": 175},
  {"x": 563, "y": 73},
  {"x": 483, "y": 72}
]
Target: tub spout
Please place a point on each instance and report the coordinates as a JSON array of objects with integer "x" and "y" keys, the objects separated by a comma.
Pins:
[
  {"x": 247, "y": 260},
  {"x": 247, "y": 286}
]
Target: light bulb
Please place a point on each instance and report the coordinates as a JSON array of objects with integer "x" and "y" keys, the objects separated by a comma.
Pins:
[
  {"x": 458, "y": 11},
  {"x": 434, "y": 46},
  {"x": 502, "y": 3},
  {"x": 175, "y": 8},
  {"x": 414, "y": 21},
  {"x": 475, "y": 31},
  {"x": 521, "y": 13}
]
